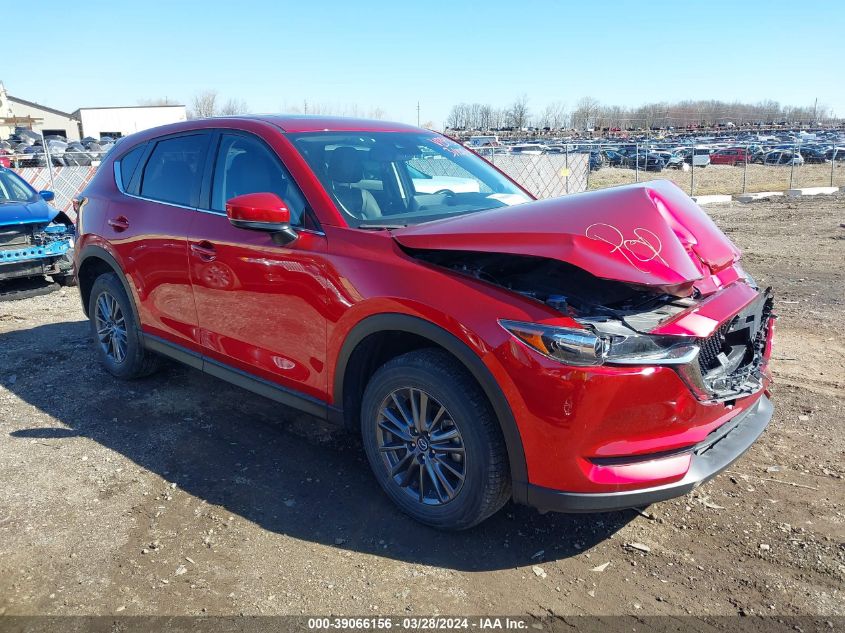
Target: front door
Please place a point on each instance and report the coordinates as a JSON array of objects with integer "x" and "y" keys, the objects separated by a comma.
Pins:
[{"x": 260, "y": 305}]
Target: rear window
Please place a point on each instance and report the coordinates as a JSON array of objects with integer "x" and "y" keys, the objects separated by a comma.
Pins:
[
  {"x": 127, "y": 165},
  {"x": 172, "y": 173}
]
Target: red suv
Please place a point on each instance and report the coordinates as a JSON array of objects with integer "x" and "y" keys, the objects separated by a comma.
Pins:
[
  {"x": 593, "y": 352},
  {"x": 735, "y": 156}
]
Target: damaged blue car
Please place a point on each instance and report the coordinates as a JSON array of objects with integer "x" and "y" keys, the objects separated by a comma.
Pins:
[{"x": 36, "y": 240}]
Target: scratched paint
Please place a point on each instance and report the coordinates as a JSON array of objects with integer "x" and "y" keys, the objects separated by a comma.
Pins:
[{"x": 644, "y": 247}]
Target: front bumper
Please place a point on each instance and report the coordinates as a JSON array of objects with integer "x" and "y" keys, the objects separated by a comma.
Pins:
[{"x": 709, "y": 457}]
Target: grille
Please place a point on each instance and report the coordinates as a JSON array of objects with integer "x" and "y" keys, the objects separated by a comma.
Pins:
[
  {"x": 711, "y": 347},
  {"x": 743, "y": 342},
  {"x": 13, "y": 238}
]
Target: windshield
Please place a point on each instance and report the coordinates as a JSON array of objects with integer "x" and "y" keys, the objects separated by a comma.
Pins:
[
  {"x": 384, "y": 179},
  {"x": 14, "y": 189}
]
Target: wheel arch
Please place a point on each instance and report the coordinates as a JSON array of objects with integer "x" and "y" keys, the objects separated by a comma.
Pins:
[
  {"x": 93, "y": 261},
  {"x": 345, "y": 394}
]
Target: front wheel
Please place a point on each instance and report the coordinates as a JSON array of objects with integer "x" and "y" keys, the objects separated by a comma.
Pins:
[{"x": 433, "y": 442}]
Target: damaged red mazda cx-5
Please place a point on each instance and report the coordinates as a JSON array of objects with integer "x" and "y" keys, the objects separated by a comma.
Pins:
[{"x": 593, "y": 352}]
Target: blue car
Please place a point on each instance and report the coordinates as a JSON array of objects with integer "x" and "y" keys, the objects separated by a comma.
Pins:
[{"x": 35, "y": 239}]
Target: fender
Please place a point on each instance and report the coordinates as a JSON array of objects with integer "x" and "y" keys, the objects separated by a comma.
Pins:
[
  {"x": 469, "y": 359},
  {"x": 98, "y": 252}
]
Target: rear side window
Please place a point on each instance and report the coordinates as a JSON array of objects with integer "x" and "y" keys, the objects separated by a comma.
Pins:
[
  {"x": 127, "y": 165},
  {"x": 174, "y": 169}
]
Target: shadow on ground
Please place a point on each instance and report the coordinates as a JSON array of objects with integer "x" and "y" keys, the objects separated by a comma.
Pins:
[
  {"x": 16, "y": 289},
  {"x": 285, "y": 471}
]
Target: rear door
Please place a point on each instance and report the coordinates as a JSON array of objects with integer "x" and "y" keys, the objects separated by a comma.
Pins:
[
  {"x": 261, "y": 306},
  {"x": 148, "y": 227}
]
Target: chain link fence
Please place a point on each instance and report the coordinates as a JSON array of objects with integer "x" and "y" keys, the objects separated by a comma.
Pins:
[
  {"x": 734, "y": 169},
  {"x": 545, "y": 176},
  {"x": 544, "y": 170}
]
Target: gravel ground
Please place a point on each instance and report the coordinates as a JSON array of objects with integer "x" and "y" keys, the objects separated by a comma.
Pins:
[{"x": 180, "y": 494}]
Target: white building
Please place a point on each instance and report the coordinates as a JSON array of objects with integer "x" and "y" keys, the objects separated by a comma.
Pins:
[
  {"x": 17, "y": 112},
  {"x": 123, "y": 121},
  {"x": 96, "y": 122}
]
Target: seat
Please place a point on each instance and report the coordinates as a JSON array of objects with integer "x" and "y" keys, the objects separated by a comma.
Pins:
[
  {"x": 247, "y": 175},
  {"x": 346, "y": 168}
]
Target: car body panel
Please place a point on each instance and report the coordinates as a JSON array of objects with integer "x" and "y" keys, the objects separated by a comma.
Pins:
[
  {"x": 649, "y": 234},
  {"x": 261, "y": 307},
  {"x": 37, "y": 212},
  {"x": 153, "y": 252}
]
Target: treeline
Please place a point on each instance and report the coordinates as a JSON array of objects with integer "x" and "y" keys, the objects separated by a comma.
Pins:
[{"x": 589, "y": 113}]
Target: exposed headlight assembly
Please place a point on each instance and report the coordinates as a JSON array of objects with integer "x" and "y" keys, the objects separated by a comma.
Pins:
[{"x": 592, "y": 346}]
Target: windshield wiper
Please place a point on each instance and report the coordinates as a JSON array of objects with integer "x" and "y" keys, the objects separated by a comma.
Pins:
[{"x": 377, "y": 227}]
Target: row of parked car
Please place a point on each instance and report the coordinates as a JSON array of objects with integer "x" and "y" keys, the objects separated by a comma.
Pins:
[
  {"x": 657, "y": 159},
  {"x": 29, "y": 149}
]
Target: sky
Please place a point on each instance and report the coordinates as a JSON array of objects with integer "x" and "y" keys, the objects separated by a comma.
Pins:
[{"x": 276, "y": 55}]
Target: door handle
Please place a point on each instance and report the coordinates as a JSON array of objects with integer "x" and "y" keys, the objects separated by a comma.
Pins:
[
  {"x": 204, "y": 250},
  {"x": 119, "y": 224}
]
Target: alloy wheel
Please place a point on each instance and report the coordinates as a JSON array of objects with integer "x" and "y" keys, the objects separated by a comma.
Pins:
[
  {"x": 421, "y": 446},
  {"x": 111, "y": 327}
]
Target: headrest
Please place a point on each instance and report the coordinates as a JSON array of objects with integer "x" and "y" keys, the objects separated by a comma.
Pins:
[{"x": 346, "y": 165}]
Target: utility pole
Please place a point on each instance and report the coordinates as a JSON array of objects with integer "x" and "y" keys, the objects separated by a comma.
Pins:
[
  {"x": 305, "y": 106},
  {"x": 418, "y": 113}
]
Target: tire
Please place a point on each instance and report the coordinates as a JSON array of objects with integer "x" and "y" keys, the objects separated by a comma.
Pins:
[
  {"x": 478, "y": 452},
  {"x": 122, "y": 354}
]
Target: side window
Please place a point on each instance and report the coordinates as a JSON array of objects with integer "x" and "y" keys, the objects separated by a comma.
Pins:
[
  {"x": 246, "y": 165},
  {"x": 174, "y": 169},
  {"x": 127, "y": 165}
]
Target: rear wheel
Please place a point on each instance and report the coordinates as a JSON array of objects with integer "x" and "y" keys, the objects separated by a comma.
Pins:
[
  {"x": 433, "y": 442},
  {"x": 116, "y": 333}
]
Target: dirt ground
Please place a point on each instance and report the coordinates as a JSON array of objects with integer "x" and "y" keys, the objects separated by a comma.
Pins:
[{"x": 180, "y": 494}]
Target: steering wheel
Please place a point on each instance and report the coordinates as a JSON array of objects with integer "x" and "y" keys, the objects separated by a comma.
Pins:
[{"x": 446, "y": 192}]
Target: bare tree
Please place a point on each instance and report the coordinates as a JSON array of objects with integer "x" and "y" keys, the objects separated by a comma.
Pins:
[
  {"x": 204, "y": 105},
  {"x": 586, "y": 113},
  {"x": 234, "y": 106},
  {"x": 485, "y": 117},
  {"x": 376, "y": 113},
  {"x": 155, "y": 101},
  {"x": 518, "y": 113},
  {"x": 553, "y": 116},
  {"x": 498, "y": 118}
]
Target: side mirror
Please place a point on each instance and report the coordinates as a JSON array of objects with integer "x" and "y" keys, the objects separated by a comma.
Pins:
[
  {"x": 262, "y": 212},
  {"x": 47, "y": 196}
]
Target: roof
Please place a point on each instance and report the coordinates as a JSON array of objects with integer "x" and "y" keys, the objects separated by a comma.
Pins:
[
  {"x": 283, "y": 123},
  {"x": 317, "y": 123},
  {"x": 32, "y": 104}
]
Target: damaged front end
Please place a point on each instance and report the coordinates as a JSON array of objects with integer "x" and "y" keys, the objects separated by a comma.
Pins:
[
  {"x": 640, "y": 275},
  {"x": 617, "y": 323},
  {"x": 28, "y": 250}
]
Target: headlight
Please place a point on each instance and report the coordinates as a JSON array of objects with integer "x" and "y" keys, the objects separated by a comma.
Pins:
[
  {"x": 616, "y": 345},
  {"x": 568, "y": 345}
]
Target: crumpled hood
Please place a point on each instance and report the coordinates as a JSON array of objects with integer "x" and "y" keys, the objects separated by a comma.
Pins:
[
  {"x": 649, "y": 234},
  {"x": 37, "y": 211}
]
